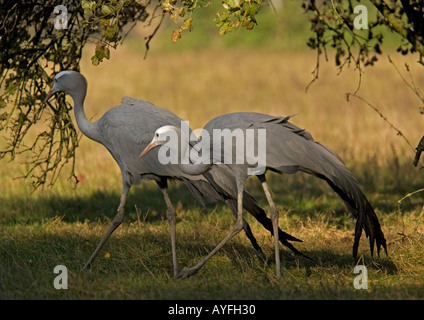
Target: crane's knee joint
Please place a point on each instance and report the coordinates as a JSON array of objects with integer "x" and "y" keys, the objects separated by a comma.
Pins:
[
  {"x": 238, "y": 226},
  {"x": 171, "y": 216},
  {"x": 119, "y": 216},
  {"x": 274, "y": 214}
]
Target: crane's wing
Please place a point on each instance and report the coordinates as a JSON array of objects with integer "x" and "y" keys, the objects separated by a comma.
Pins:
[{"x": 290, "y": 149}]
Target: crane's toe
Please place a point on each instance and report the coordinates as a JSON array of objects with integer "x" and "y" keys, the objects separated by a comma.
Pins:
[{"x": 186, "y": 273}]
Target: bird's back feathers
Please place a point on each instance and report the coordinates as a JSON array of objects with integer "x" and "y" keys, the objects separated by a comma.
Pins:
[{"x": 290, "y": 149}]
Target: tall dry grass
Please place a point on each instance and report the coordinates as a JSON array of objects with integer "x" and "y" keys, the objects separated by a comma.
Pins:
[{"x": 198, "y": 86}]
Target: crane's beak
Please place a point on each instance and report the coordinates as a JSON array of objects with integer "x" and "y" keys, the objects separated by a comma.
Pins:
[
  {"x": 151, "y": 146},
  {"x": 49, "y": 95}
]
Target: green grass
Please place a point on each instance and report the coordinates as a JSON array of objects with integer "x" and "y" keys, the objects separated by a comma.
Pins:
[{"x": 54, "y": 228}]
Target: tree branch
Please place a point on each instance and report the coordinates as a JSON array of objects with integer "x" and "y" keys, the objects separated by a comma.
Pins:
[{"x": 396, "y": 24}]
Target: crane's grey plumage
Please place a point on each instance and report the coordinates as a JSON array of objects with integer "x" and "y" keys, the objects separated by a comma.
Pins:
[
  {"x": 125, "y": 130},
  {"x": 289, "y": 149}
]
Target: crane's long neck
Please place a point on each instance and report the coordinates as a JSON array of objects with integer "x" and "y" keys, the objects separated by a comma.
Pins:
[
  {"x": 191, "y": 163},
  {"x": 87, "y": 127}
]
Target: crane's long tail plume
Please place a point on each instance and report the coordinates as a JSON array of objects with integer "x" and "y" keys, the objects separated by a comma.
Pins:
[
  {"x": 297, "y": 150},
  {"x": 328, "y": 166},
  {"x": 366, "y": 219}
]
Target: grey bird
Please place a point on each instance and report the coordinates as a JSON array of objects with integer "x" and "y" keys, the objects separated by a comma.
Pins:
[
  {"x": 289, "y": 149},
  {"x": 125, "y": 130}
]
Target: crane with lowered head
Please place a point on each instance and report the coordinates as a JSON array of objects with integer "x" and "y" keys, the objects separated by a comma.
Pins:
[{"x": 288, "y": 149}]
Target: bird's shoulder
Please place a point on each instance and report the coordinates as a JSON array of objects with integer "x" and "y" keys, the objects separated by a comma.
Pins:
[
  {"x": 135, "y": 120},
  {"x": 137, "y": 112}
]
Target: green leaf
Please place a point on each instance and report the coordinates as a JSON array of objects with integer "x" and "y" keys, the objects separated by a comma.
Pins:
[
  {"x": 167, "y": 5},
  {"x": 231, "y": 3},
  {"x": 95, "y": 61},
  {"x": 108, "y": 9},
  {"x": 88, "y": 6},
  {"x": 111, "y": 32},
  {"x": 187, "y": 25},
  {"x": 182, "y": 12},
  {"x": 101, "y": 52},
  {"x": 253, "y": 9}
]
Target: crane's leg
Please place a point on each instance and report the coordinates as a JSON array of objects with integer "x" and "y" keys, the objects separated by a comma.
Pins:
[
  {"x": 117, "y": 220},
  {"x": 238, "y": 226},
  {"x": 163, "y": 185},
  {"x": 274, "y": 219},
  {"x": 246, "y": 228}
]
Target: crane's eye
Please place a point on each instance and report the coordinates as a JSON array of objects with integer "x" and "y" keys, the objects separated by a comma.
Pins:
[{"x": 157, "y": 135}]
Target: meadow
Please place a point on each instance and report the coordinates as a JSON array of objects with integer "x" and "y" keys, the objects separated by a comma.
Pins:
[{"x": 62, "y": 225}]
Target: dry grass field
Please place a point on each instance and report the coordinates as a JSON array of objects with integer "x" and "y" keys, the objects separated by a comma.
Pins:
[{"x": 63, "y": 224}]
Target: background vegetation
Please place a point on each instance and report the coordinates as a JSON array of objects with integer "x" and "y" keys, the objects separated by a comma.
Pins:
[{"x": 201, "y": 76}]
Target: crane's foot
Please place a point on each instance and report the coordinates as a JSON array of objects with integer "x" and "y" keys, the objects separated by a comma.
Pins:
[
  {"x": 185, "y": 273},
  {"x": 87, "y": 266}
]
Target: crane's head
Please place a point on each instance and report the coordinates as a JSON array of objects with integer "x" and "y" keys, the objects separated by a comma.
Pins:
[
  {"x": 160, "y": 138},
  {"x": 69, "y": 81}
]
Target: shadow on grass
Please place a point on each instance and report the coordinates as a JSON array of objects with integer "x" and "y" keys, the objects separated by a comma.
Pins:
[
  {"x": 321, "y": 259},
  {"x": 71, "y": 248},
  {"x": 301, "y": 195},
  {"x": 146, "y": 204},
  {"x": 140, "y": 259},
  {"x": 97, "y": 205}
]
